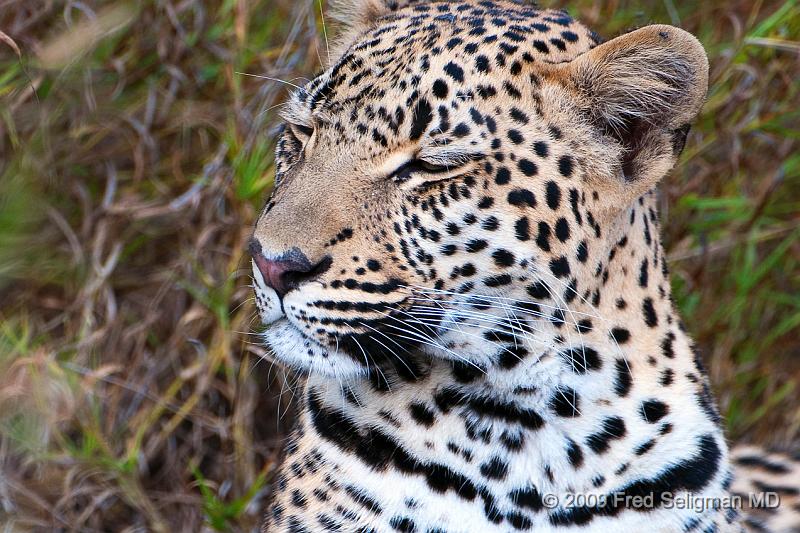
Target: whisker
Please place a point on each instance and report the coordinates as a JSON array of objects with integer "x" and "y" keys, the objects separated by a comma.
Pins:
[
  {"x": 491, "y": 319},
  {"x": 270, "y": 79},
  {"x": 472, "y": 297},
  {"x": 390, "y": 350},
  {"x": 425, "y": 339}
]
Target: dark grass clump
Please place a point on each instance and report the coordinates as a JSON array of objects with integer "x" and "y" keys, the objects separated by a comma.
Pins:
[{"x": 133, "y": 160}]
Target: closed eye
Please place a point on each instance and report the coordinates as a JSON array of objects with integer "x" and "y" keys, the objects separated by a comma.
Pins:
[
  {"x": 417, "y": 166},
  {"x": 423, "y": 168}
]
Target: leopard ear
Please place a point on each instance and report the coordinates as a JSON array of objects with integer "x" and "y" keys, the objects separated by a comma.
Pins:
[
  {"x": 354, "y": 17},
  {"x": 643, "y": 89}
]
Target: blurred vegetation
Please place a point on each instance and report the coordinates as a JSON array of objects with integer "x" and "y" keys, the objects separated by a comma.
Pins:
[{"x": 134, "y": 156}]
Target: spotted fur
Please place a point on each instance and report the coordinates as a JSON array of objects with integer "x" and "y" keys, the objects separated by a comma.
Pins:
[{"x": 462, "y": 255}]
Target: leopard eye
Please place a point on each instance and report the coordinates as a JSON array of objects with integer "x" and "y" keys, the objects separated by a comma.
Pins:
[
  {"x": 418, "y": 166},
  {"x": 433, "y": 168}
]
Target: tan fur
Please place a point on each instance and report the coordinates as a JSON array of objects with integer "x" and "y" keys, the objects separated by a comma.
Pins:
[
  {"x": 657, "y": 75},
  {"x": 356, "y": 16}
]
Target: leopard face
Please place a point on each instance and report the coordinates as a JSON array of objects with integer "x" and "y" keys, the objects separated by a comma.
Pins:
[{"x": 460, "y": 165}]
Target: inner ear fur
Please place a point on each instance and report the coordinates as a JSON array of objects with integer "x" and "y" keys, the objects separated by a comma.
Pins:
[{"x": 642, "y": 89}]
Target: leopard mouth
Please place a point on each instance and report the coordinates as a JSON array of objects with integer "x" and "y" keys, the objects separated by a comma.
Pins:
[
  {"x": 358, "y": 345},
  {"x": 380, "y": 350}
]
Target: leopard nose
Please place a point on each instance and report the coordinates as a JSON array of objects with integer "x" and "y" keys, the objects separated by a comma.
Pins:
[{"x": 286, "y": 271}]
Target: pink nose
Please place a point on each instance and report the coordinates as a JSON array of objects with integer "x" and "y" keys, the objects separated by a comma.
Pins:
[{"x": 288, "y": 271}]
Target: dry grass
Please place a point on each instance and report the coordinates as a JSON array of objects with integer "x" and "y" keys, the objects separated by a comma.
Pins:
[{"x": 133, "y": 160}]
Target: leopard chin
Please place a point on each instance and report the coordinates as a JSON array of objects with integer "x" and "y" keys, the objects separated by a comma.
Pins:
[{"x": 300, "y": 353}]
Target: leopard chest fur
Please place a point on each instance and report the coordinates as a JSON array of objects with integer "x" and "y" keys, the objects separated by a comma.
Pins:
[{"x": 442, "y": 455}]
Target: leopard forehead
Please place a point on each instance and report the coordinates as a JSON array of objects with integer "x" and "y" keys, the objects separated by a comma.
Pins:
[{"x": 441, "y": 55}]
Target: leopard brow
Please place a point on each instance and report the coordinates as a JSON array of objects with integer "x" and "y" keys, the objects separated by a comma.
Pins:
[{"x": 449, "y": 156}]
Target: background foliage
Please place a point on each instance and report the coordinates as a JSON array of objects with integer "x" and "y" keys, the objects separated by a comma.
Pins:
[{"x": 135, "y": 150}]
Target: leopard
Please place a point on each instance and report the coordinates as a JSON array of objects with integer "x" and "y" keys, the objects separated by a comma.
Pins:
[{"x": 461, "y": 260}]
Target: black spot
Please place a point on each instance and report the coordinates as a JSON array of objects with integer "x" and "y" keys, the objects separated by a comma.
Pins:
[
  {"x": 582, "y": 253},
  {"x": 515, "y": 137},
  {"x": 553, "y": 195},
  {"x": 644, "y": 447},
  {"x": 497, "y": 281},
  {"x": 519, "y": 521},
  {"x": 527, "y": 167},
  {"x": 569, "y": 36},
  {"x": 522, "y": 229},
  {"x": 621, "y": 335},
  {"x": 565, "y": 166},
  {"x": 654, "y": 410},
  {"x": 503, "y": 176},
  {"x": 543, "y": 238},
  {"x": 518, "y": 116},
  {"x": 462, "y": 130},
  {"x": 540, "y": 147},
  {"x": 512, "y": 91},
  {"x": 490, "y": 224},
  {"x": 440, "y": 89},
  {"x": 403, "y": 524},
  {"x": 422, "y": 117},
  {"x": 565, "y": 402},
  {"x": 623, "y": 379},
  {"x": 454, "y": 71},
  {"x": 520, "y": 197},
  {"x": 503, "y": 258},
  {"x": 560, "y": 267},
  {"x": 482, "y": 64},
  {"x": 574, "y": 453},
  {"x": 613, "y": 428},
  {"x": 527, "y": 498},
  {"x": 422, "y": 413},
  {"x": 476, "y": 245},
  {"x": 666, "y": 345},
  {"x": 298, "y": 499},
  {"x": 361, "y": 498},
  {"x": 650, "y": 317},
  {"x": 562, "y": 229},
  {"x": 583, "y": 359},
  {"x": 465, "y": 372},
  {"x": 495, "y": 468},
  {"x": 762, "y": 464},
  {"x": 486, "y": 202},
  {"x": 538, "y": 291},
  {"x": 643, "y": 274}
]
